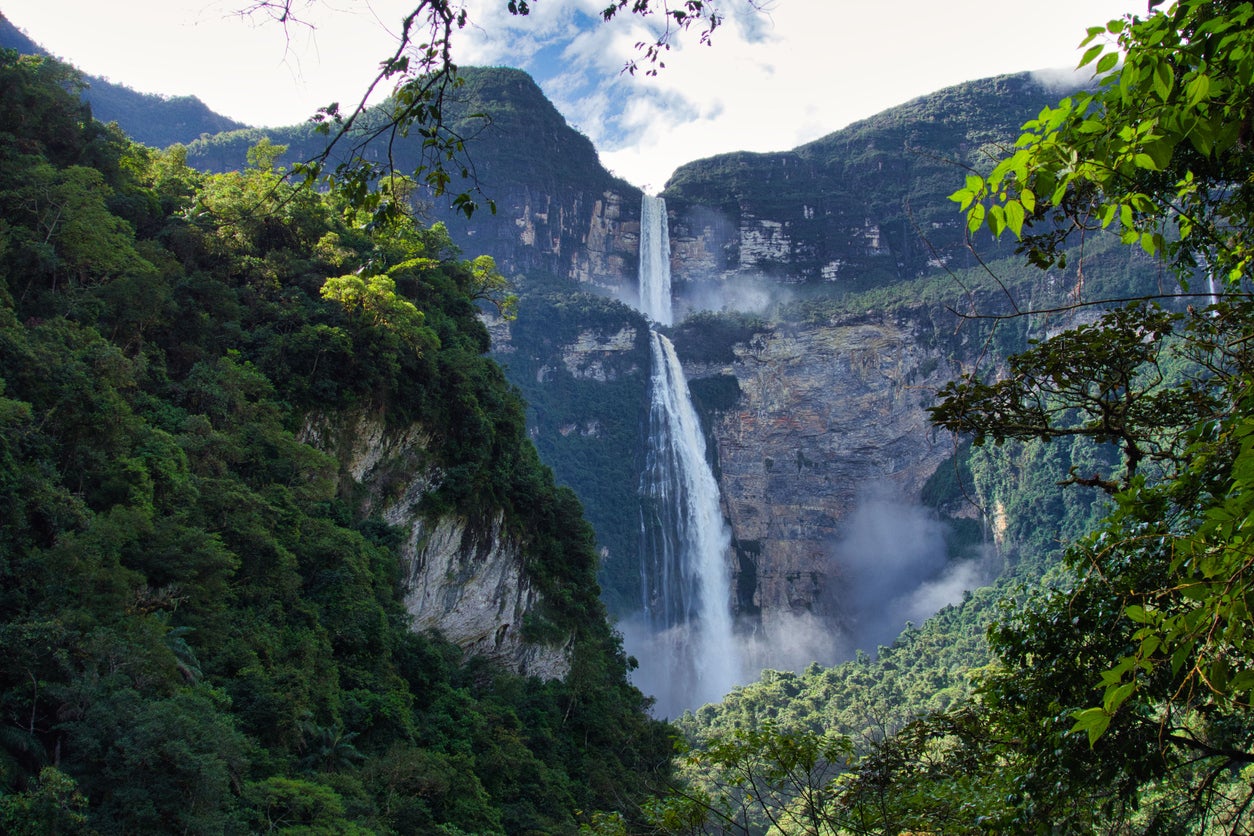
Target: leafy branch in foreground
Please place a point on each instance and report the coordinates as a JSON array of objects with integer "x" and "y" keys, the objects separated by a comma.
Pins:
[
  {"x": 1110, "y": 381},
  {"x": 1157, "y": 601},
  {"x": 1158, "y": 150}
]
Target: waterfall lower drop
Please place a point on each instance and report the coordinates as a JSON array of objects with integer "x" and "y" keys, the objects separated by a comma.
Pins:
[{"x": 691, "y": 656}]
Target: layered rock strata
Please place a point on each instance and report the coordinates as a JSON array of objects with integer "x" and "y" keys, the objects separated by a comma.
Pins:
[
  {"x": 826, "y": 414},
  {"x": 464, "y": 580}
]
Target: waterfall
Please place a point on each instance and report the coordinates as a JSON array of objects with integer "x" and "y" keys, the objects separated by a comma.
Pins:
[
  {"x": 691, "y": 656},
  {"x": 655, "y": 261}
]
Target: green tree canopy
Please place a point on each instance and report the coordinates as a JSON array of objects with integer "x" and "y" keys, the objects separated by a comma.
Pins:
[{"x": 1129, "y": 683}]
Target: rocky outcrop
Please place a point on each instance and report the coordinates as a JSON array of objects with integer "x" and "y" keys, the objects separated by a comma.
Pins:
[
  {"x": 597, "y": 356},
  {"x": 463, "y": 579},
  {"x": 860, "y": 207},
  {"x": 587, "y": 237},
  {"x": 558, "y": 212},
  {"x": 467, "y": 583},
  {"x": 825, "y": 412}
]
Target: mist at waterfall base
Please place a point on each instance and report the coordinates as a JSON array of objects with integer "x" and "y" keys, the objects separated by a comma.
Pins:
[{"x": 889, "y": 568}]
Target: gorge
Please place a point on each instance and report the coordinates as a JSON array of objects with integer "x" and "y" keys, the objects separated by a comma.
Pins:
[
  {"x": 737, "y": 411},
  {"x": 816, "y": 300},
  {"x": 790, "y": 500}
]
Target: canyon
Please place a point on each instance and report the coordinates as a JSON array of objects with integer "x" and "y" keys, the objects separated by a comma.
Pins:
[{"x": 812, "y": 390}]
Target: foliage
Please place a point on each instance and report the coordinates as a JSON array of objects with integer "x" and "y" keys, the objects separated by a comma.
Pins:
[
  {"x": 709, "y": 337},
  {"x": 1157, "y": 151},
  {"x": 203, "y": 627},
  {"x": 1148, "y": 615},
  {"x": 1109, "y": 381},
  {"x": 588, "y": 422},
  {"x": 757, "y": 779},
  {"x": 1118, "y": 696}
]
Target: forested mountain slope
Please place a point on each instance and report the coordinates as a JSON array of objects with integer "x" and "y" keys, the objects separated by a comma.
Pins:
[
  {"x": 157, "y": 121},
  {"x": 206, "y": 563},
  {"x": 557, "y": 210}
]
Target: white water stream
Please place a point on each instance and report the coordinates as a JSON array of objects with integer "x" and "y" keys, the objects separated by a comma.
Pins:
[{"x": 691, "y": 657}]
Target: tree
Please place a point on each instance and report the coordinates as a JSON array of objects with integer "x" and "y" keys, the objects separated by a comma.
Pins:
[
  {"x": 52, "y": 806},
  {"x": 754, "y": 780},
  {"x": 1127, "y": 686},
  {"x": 1113, "y": 381},
  {"x": 1158, "y": 150},
  {"x": 198, "y": 631}
]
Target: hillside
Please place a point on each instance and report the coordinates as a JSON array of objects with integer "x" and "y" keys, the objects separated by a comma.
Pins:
[
  {"x": 859, "y": 208},
  {"x": 284, "y": 556},
  {"x": 558, "y": 211},
  {"x": 276, "y": 547},
  {"x": 156, "y": 121}
]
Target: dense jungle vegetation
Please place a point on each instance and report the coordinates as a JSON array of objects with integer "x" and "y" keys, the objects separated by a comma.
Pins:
[
  {"x": 201, "y": 631},
  {"x": 1113, "y": 693}
]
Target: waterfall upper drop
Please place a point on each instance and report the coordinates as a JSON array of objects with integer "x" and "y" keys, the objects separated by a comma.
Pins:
[
  {"x": 655, "y": 261},
  {"x": 691, "y": 656}
]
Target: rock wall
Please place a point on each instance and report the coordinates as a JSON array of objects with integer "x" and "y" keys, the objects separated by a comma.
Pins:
[
  {"x": 862, "y": 206},
  {"x": 591, "y": 238},
  {"x": 466, "y": 581},
  {"x": 826, "y": 413}
]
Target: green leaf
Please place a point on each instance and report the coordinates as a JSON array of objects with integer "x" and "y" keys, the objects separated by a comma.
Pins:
[
  {"x": 1220, "y": 674},
  {"x": 1028, "y": 198},
  {"x": 1014, "y": 217},
  {"x": 975, "y": 218},
  {"x": 1115, "y": 697},
  {"x": 1198, "y": 89},
  {"x": 1091, "y": 54},
  {"x": 1164, "y": 79},
  {"x": 996, "y": 219},
  {"x": 1093, "y": 722}
]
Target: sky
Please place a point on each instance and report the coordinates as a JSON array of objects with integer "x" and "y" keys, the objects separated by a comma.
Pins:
[{"x": 773, "y": 78}]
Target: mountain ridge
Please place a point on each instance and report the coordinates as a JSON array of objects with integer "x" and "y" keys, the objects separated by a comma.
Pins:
[{"x": 150, "y": 119}]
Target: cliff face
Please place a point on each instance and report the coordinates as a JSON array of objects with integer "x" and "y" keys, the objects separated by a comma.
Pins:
[
  {"x": 464, "y": 580},
  {"x": 819, "y": 412},
  {"x": 804, "y": 420},
  {"x": 825, "y": 412},
  {"x": 588, "y": 236},
  {"x": 558, "y": 212},
  {"x": 863, "y": 206},
  {"x": 582, "y": 364}
]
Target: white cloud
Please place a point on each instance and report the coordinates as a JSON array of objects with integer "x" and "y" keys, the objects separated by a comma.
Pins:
[{"x": 770, "y": 82}]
